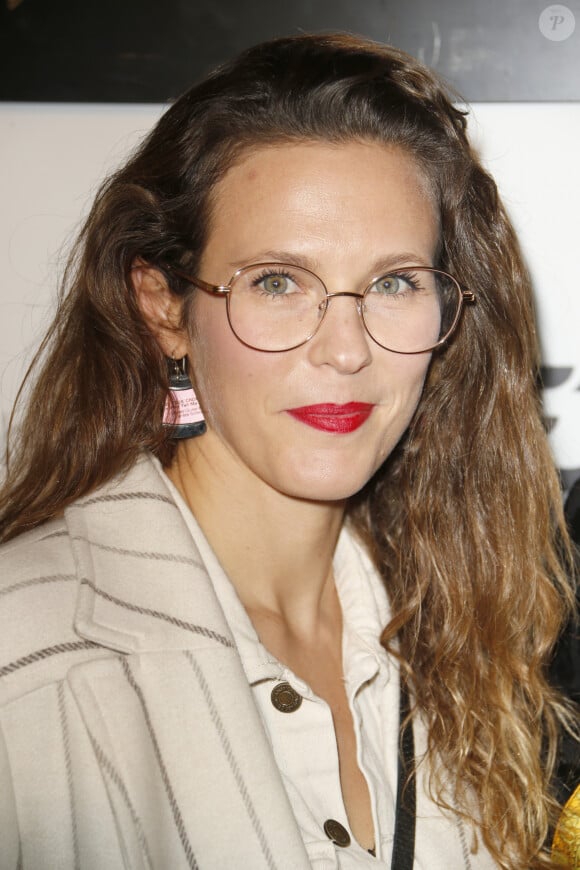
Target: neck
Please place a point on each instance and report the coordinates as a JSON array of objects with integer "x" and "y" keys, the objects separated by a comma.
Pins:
[{"x": 277, "y": 550}]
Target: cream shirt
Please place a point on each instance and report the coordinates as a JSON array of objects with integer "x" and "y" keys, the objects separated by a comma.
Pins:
[{"x": 304, "y": 742}]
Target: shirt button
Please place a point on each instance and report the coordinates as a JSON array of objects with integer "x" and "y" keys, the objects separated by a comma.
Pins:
[
  {"x": 337, "y": 833},
  {"x": 285, "y": 698}
]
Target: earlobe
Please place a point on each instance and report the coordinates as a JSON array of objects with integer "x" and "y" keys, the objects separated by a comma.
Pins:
[{"x": 161, "y": 309}]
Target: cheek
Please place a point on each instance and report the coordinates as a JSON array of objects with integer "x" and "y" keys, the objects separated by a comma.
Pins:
[
  {"x": 224, "y": 371},
  {"x": 403, "y": 391},
  {"x": 407, "y": 377},
  {"x": 210, "y": 340}
]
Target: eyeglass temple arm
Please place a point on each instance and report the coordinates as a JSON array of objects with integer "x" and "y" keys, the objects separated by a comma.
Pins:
[{"x": 215, "y": 289}]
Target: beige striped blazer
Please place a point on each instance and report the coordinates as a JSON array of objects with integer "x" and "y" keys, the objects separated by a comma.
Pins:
[{"x": 128, "y": 733}]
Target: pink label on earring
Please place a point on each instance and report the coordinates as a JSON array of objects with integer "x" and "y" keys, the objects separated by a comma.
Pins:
[{"x": 188, "y": 410}]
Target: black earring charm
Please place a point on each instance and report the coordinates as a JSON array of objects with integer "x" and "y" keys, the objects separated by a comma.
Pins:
[{"x": 182, "y": 414}]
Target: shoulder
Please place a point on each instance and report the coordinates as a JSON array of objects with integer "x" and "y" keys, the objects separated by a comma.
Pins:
[
  {"x": 42, "y": 555},
  {"x": 38, "y": 589},
  {"x": 108, "y": 552},
  {"x": 33, "y": 568},
  {"x": 41, "y": 579},
  {"x": 42, "y": 551}
]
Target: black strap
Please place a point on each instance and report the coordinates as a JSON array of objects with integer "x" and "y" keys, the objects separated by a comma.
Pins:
[{"x": 405, "y": 809}]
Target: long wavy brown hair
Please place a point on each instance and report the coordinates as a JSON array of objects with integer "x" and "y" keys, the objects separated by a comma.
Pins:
[{"x": 464, "y": 520}]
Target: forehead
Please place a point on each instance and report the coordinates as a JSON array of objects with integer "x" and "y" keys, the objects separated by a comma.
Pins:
[
  {"x": 251, "y": 161},
  {"x": 323, "y": 196}
]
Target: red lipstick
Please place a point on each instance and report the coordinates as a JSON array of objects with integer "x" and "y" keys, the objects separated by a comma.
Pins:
[{"x": 334, "y": 418}]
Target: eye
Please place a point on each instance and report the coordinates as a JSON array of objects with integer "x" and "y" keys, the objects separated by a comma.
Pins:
[
  {"x": 277, "y": 281},
  {"x": 272, "y": 283},
  {"x": 396, "y": 284},
  {"x": 275, "y": 284},
  {"x": 389, "y": 285}
]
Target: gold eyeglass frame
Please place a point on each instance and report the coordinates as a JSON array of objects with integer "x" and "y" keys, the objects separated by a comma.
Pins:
[{"x": 225, "y": 290}]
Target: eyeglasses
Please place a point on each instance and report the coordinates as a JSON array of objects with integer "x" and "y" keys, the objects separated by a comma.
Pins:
[{"x": 275, "y": 307}]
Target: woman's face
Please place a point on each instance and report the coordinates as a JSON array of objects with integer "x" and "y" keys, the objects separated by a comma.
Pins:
[{"x": 347, "y": 212}]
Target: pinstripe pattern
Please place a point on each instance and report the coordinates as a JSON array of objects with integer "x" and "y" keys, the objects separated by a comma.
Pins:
[
  {"x": 61, "y": 533},
  {"x": 176, "y": 812},
  {"x": 127, "y": 496},
  {"x": 242, "y": 788},
  {"x": 463, "y": 840},
  {"x": 103, "y": 705},
  {"x": 140, "y": 554},
  {"x": 117, "y": 781},
  {"x": 158, "y": 614},
  {"x": 49, "y": 578},
  {"x": 69, "y": 775},
  {"x": 32, "y": 658}
]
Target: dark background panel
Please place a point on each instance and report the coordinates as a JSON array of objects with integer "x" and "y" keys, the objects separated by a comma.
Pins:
[{"x": 152, "y": 50}]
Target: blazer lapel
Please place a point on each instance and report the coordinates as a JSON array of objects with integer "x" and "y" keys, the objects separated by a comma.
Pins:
[
  {"x": 142, "y": 584},
  {"x": 189, "y": 769}
]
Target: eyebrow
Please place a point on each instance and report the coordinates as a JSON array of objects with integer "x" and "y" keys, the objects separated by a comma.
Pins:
[{"x": 398, "y": 260}]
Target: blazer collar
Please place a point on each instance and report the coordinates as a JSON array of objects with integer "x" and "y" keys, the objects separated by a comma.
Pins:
[
  {"x": 143, "y": 589},
  {"x": 142, "y": 583}
]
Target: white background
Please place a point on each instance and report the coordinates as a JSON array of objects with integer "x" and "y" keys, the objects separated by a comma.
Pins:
[{"x": 52, "y": 158}]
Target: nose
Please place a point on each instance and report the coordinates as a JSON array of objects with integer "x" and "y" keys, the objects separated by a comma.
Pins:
[{"x": 341, "y": 339}]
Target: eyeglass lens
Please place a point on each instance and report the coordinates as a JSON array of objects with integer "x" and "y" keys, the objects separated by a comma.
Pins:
[{"x": 275, "y": 306}]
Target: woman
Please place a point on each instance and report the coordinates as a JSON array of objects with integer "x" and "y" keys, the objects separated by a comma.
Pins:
[{"x": 204, "y": 636}]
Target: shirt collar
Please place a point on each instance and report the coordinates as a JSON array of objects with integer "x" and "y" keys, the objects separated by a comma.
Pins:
[{"x": 363, "y": 600}]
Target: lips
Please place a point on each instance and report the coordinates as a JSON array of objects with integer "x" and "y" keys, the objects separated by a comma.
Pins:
[{"x": 333, "y": 418}]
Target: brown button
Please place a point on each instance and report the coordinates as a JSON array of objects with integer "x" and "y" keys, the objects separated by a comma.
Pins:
[
  {"x": 336, "y": 832},
  {"x": 285, "y": 698}
]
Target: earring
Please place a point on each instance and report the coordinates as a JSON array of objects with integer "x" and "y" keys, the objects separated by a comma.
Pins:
[{"x": 182, "y": 414}]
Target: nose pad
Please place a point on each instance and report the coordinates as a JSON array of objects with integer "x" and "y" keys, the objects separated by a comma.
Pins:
[
  {"x": 330, "y": 344},
  {"x": 358, "y": 297},
  {"x": 322, "y": 306}
]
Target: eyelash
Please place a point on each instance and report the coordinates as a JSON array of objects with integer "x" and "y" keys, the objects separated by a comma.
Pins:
[
  {"x": 411, "y": 279},
  {"x": 267, "y": 272}
]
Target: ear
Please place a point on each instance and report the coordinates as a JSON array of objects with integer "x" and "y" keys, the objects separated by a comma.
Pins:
[{"x": 161, "y": 309}]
